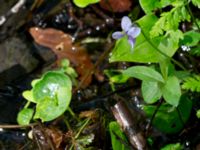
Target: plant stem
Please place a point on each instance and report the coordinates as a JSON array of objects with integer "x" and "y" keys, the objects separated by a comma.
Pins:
[
  {"x": 27, "y": 104},
  {"x": 193, "y": 18},
  {"x": 79, "y": 132},
  {"x": 73, "y": 114},
  {"x": 112, "y": 86},
  {"x": 67, "y": 123},
  {"x": 158, "y": 50},
  {"x": 180, "y": 116},
  {"x": 153, "y": 116},
  {"x": 82, "y": 127}
]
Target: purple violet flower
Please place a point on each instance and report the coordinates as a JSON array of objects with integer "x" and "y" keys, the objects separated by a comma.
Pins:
[{"x": 128, "y": 29}]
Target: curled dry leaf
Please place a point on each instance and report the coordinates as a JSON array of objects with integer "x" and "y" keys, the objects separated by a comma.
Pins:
[
  {"x": 41, "y": 135},
  {"x": 56, "y": 136},
  {"x": 116, "y": 5},
  {"x": 92, "y": 114},
  {"x": 62, "y": 46}
]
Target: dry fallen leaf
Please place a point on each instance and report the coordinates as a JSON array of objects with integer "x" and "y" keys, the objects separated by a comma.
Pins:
[
  {"x": 56, "y": 136},
  {"x": 61, "y": 44},
  {"x": 92, "y": 114},
  {"x": 116, "y": 5}
]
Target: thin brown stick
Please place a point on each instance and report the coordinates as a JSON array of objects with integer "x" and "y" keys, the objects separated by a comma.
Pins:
[
  {"x": 92, "y": 70},
  {"x": 8, "y": 126},
  {"x": 25, "y": 145}
]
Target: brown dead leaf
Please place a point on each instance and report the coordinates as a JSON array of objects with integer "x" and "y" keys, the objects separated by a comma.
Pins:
[
  {"x": 92, "y": 114},
  {"x": 56, "y": 136},
  {"x": 116, "y": 5},
  {"x": 62, "y": 46}
]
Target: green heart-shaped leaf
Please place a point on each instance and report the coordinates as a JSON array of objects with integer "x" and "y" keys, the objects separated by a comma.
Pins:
[
  {"x": 151, "y": 91},
  {"x": 143, "y": 73},
  {"x": 52, "y": 94}
]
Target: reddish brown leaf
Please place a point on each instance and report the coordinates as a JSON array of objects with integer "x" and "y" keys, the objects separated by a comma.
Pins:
[
  {"x": 116, "y": 5},
  {"x": 61, "y": 44}
]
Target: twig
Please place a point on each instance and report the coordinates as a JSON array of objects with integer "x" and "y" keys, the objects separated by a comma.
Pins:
[
  {"x": 18, "y": 126},
  {"x": 81, "y": 129},
  {"x": 25, "y": 145},
  {"x": 153, "y": 116},
  {"x": 191, "y": 14},
  {"x": 91, "y": 71}
]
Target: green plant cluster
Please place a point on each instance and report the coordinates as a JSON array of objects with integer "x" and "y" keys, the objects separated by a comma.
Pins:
[
  {"x": 162, "y": 76},
  {"x": 51, "y": 95}
]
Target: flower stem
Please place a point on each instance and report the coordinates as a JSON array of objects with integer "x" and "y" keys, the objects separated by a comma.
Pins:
[
  {"x": 193, "y": 18},
  {"x": 158, "y": 50},
  {"x": 81, "y": 129},
  {"x": 27, "y": 104},
  {"x": 73, "y": 114}
]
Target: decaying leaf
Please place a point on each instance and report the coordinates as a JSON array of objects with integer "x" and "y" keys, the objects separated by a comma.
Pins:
[
  {"x": 56, "y": 136},
  {"x": 45, "y": 135},
  {"x": 92, "y": 114},
  {"x": 116, "y": 5},
  {"x": 62, "y": 46}
]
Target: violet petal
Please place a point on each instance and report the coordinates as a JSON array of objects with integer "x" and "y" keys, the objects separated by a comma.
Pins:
[
  {"x": 134, "y": 32},
  {"x": 126, "y": 23},
  {"x": 131, "y": 41},
  {"x": 117, "y": 35}
]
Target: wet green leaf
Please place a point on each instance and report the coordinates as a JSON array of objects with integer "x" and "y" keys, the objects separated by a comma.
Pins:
[
  {"x": 149, "y": 5},
  {"x": 151, "y": 91},
  {"x": 172, "y": 91},
  {"x": 28, "y": 95},
  {"x": 176, "y": 146},
  {"x": 142, "y": 52},
  {"x": 84, "y": 3},
  {"x": 49, "y": 108},
  {"x": 24, "y": 116},
  {"x": 191, "y": 38},
  {"x": 121, "y": 78},
  {"x": 52, "y": 94},
  {"x": 143, "y": 73},
  {"x": 116, "y": 143},
  {"x": 167, "y": 119},
  {"x": 115, "y": 76},
  {"x": 49, "y": 85}
]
